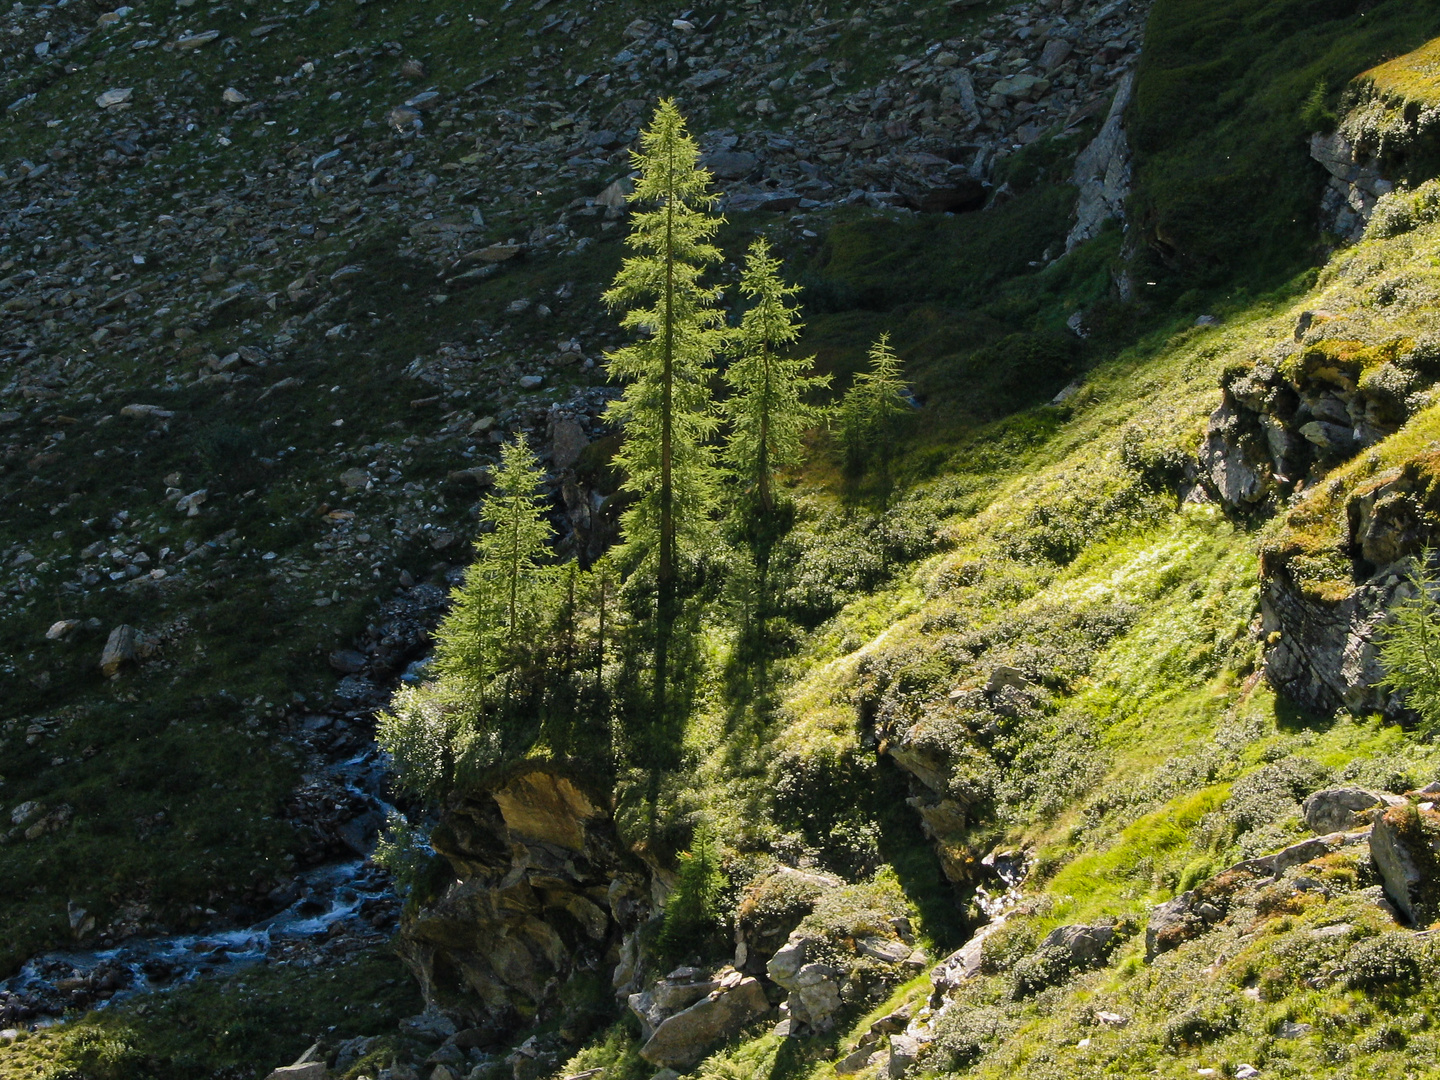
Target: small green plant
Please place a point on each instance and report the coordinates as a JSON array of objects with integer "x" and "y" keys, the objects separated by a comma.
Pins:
[
  {"x": 1410, "y": 650},
  {"x": 693, "y": 910},
  {"x": 1316, "y": 113}
]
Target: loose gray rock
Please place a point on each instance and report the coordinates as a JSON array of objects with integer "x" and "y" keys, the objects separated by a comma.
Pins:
[
  {"x": 1403, "y": 849},
  {"x": 682, "y": 1039},
  {"x": 1335, "y": 809}
]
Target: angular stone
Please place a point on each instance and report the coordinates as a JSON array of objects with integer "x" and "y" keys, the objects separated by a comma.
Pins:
[
  {"x": 194, "y": 41},
  {"x": 1335, "y": 439},
  {"x": 904, "y": 1052},
  {"x": 788, "y": 959},
  {"x": 1335, "y": 809},
  {"x": 567, "y": 443},
  {"x": 682, "y": 1039},
  {"x": 1404, "y": 844},
  {"x": 1103, "y": 171},
  {"x": 118, "y": 96},
  {"x": 730, "y": 164},
  {"x": 617, "y": 194},
  {"x": 354, "y": 479},
  {"x": 60, "y": 630},
  {"x": 1088, "y": 945},
  {"x": 348, "y": 661},
  {"x": 764, "y": 200},
  {"x": 120, "y": 649},
  {"x": 1055, "y": 53},
  {"x": 704, "y": 80},
  {"x": 1021, "y": 87},
  {"x": 309, "y": 1070}
]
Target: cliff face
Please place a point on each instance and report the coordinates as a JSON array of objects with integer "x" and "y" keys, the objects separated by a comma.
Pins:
[
  {"x": 1284, "y": 423},
  {"x": 543, "y": 891},
  {"x": 1388, "y": 134}
]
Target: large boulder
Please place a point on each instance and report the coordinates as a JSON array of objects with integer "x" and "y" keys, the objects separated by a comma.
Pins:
[
  {"x": 1405, "y": 845},
  {"x": 1338, "y": 809},
  {"x": 1086, "y": 946},
  {"x": 683, "y": 1038},
  {"x": 674, "y": 993}
]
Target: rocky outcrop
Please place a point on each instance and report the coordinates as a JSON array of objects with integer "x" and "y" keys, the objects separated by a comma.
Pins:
[
  {"x": 1405, "y": 845},
  {"x": 1325, "y": 634},
  {"x": 823, "y": 972},
  {"x": 1103, "y": 170},
  {"x": 814, "y": 987},
  {"x": 1354, "y": 187},
  {"x": 1285, "y": 420},
  {"x": 688, "y": 1012},
  {"x": 543, "y": 890},
  {"x": 1312, "y": 403},
  {"x": 1388, "y": 133},
  {"x": 1324, "y": 652}
]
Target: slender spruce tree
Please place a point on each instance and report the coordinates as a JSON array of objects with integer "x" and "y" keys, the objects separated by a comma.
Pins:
[
  {"x": 667, "y": 411},
  {"x": 501, "y": 610},
  {"x": 870, "y": 414},
  {"x": 1410, "y": 644},
  {"x": 767, "y": 412}
]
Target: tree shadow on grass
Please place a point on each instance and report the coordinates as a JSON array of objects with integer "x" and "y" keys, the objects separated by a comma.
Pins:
[
  {"x": 905, "y": 847},
  {"x": 1292, "y": 718}
]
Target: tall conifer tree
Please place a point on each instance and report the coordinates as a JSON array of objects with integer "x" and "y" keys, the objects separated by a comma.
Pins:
[
  {"x": 666, "y": 411},
  {"x": 767, "y": 410},
  {"x": 500, "y": 610}
]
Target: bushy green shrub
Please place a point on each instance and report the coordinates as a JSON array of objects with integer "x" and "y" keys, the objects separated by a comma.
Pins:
[
  {"x": 965, "y": 1034},
  {"x": 1393, "y": 961},
  {"x": 867, "y": 909},
  {"x": 1272, "y": 793},
  {"x": 1404, "y": 210},
  {"x": 1208, "y": 1019}
]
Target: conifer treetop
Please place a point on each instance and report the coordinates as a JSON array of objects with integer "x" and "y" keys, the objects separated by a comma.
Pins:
[{"x": 767, "y": 410}]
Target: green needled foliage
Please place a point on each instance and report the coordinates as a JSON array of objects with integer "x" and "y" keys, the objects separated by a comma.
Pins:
[
  {"x": 767, "y": 411},
  {"x": 487, "y": 652},
  {"x": 1410, "y": 650},
  {"x": 667, "y": 412},
  {"x": 871, "y": 411},
  {"x": 691, "y": 913}
]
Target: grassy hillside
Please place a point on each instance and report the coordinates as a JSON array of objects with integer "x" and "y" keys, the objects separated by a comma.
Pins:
[
  {"x": 1145, "y": 755},
  {"x": 1226, "y": 192}
]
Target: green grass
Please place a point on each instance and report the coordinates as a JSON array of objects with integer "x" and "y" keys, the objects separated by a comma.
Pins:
[{"x": 1226, "y": 195}]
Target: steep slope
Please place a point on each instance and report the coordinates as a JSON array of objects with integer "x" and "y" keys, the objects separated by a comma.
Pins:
[{"x": 268, "y": 315}]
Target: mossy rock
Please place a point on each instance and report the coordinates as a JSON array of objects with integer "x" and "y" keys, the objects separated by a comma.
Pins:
[{"x": 1343, "y": 363}]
